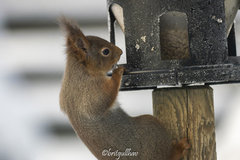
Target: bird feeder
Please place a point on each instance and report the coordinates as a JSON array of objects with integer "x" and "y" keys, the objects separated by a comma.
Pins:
[{"x": 172, "y": 42}]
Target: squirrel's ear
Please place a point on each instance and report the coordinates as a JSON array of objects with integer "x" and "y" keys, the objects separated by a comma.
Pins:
[
  {"x": 82, "y": 43},
  {"x": 74, "y": 33},
  {"x": 77, "y": 43}
]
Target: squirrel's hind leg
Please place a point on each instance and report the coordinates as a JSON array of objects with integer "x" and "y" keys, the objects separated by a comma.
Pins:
[{"x": 180, "y": 149}]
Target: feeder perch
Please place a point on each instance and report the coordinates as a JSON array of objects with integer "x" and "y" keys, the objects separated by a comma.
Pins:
[{"x": 174, "y": 42}]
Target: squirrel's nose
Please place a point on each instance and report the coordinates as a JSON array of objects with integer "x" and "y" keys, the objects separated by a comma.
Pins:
[{"x": 120, "y": 52}]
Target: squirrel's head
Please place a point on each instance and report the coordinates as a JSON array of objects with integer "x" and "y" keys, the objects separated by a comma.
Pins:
[{"x": 93, "y": 52}]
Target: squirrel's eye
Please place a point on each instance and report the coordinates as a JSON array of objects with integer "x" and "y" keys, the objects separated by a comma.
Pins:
[{"x": 105, "y": 52}]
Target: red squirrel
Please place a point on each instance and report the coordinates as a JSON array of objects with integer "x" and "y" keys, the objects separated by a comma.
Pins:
[{"x": 88, "y": 97}]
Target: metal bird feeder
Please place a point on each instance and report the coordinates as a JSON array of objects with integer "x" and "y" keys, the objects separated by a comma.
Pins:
[{"x": 176, "y": 42}]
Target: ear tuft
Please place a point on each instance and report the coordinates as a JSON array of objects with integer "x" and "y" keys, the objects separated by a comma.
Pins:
[
  {"x": 71, "y": 28},
  {"x": 77, "y": 44},
  {"x": 73, "y": 32}
]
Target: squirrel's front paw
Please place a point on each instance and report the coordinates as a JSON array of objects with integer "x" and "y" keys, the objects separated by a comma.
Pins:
[{"x": 119, "y": 71}]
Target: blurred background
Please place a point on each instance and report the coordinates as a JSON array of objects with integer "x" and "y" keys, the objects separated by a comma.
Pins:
[{"x": 32, "y": 61}]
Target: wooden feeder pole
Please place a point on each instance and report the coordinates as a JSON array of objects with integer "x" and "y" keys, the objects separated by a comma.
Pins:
[
  {"x": 188, "y": 112},
  {"x": 207, "y": 41}
]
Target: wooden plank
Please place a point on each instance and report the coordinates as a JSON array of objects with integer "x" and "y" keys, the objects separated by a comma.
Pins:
[{"x": 188, "y": 112}]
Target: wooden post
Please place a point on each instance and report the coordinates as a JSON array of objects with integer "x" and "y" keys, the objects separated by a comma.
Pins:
[{"x": 188, "y": 112}]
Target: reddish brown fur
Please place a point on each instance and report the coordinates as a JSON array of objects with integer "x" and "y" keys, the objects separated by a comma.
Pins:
[
  {"x": 88, "y": 97},
  {"x": 180, "y": 149}
]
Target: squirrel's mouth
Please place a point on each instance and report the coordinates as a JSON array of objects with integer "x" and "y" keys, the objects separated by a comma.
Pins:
[{"x": 114, "y": 66}]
